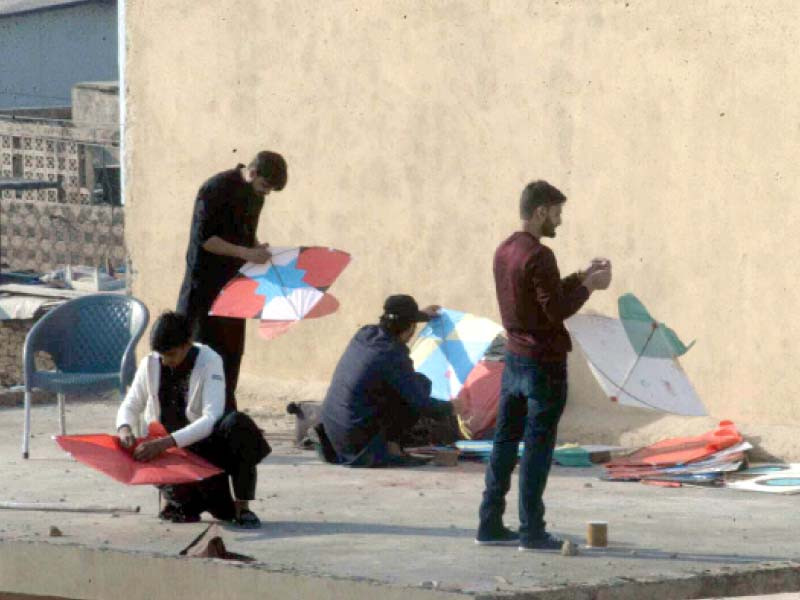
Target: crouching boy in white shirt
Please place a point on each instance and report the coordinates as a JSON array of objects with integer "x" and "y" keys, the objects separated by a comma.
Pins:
[{"x": 182, "y": 385}]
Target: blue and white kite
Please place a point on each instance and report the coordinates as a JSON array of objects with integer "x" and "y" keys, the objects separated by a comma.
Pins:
[{"x": 449, "y": 347}]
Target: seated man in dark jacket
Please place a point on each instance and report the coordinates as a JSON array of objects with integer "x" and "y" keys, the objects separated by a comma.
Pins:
[{"x": 375, "y": 395}]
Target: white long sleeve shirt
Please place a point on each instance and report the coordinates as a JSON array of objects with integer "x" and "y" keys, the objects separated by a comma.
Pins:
[{"x": 204, "y": 406}]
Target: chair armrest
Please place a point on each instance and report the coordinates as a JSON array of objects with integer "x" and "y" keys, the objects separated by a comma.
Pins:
[
  {"x": 140, "y": 316},
  {"x": 127, "y": 366},
  {"x": 35, "y": 341}
]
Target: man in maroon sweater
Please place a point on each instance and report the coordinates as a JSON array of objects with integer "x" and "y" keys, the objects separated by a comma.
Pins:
[{"x": 534, "y": 301}]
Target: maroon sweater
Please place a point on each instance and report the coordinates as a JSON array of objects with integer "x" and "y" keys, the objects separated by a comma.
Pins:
[{"x": 534, "y": 300}]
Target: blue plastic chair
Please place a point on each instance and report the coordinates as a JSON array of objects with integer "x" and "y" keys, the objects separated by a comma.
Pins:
[{"x": 92, "y": 341}]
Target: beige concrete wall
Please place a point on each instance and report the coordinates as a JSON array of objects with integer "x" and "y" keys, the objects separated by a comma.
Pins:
[
  {"x": 96, "y": 103},
  {"x": 411, "y": 127}
]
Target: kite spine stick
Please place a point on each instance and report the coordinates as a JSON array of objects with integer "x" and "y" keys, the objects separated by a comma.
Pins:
[
  {"x": 284, "y": 290},
  {"x": 43, "y": 506},
  {"x": 619, "y": 387},
  {"x": 636, "y": 362}
]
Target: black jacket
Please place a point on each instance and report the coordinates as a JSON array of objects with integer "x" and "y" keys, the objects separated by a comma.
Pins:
[{"x": 227, "y": 207}]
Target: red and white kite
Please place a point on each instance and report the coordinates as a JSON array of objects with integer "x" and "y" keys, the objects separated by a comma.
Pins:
[{"x": 291, "y": 286}]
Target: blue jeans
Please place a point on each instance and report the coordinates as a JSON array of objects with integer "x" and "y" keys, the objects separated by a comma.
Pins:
[{"x": 532, "y": 399}]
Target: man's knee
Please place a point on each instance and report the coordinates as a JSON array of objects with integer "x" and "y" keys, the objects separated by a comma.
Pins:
[
  {"x": 243, "y": 437},
  {"x": 510, "y": 429},
  {"x": 549, "y": 410},
  {"x": 237, "y": 422}
]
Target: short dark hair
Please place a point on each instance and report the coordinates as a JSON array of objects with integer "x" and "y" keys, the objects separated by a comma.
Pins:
[
  {"x": 272, "y": 167},
  {"x": 394, "y": 325},
  {"x": 538, "y": 193},
  {"x": 171, "y": 330}
]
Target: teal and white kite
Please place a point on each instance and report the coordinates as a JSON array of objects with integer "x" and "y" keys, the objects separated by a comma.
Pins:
[{"x": 635, "y": 359}]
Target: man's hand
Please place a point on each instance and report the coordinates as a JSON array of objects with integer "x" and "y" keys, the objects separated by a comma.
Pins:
[
  {"x": 599, "y": 279},
  {"x": 149, "y": 450},
  {"x": 597, "y": 276},
  {"x": 597, "y": 264},
  {"x": 126, "y": 437},
  {"x": 432, "y": 311},
  {"x": 258, "y": 254}
]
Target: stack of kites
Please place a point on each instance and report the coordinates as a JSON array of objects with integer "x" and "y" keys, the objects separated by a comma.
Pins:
[{"x": 700, "y": 460}]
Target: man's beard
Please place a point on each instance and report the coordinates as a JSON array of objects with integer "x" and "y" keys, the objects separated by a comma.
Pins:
[{"x": 548, "y": 229}]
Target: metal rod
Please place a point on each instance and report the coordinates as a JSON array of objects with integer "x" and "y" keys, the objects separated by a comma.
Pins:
[
  {"x": 62, "y": 416},
  {"x": 60, "y": 507}
]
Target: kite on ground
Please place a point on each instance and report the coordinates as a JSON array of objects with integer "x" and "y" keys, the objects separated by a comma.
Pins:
[
  {"x": 481, "y": 449},
  {"x": 771, "y": 477},
  {"x": 635, "y": 359},
  {"x": 104, "y": 453},
  {"x": 449, "y": 347},
  {"x": 291, "y": 286}
]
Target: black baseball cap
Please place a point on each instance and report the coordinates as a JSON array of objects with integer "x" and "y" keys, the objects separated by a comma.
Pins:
[{"x": 404, "y": 307}]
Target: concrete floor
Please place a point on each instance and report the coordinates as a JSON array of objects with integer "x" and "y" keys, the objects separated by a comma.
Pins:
[{"x": 408, "y": 530}]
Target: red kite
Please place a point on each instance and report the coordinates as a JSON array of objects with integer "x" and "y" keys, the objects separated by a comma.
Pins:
[{"x": 104, "y": 453}]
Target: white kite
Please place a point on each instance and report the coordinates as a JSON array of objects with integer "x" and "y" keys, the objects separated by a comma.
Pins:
[{"x": 635, "y": 359}]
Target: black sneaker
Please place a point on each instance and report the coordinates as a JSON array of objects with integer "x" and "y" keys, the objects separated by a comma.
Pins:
[
  {"x": 175, "y": 514},
  {"x": 545, "y": 542},
  {"x": 500, "y": 537},
  {"x": 247, "y": 519}
]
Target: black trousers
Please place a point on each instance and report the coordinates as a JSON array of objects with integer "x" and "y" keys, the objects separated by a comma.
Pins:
[
  {"x": 396, "y": 419},
  {"x": 226, "y": 337},
  {"x": 368, "y": 448},
  {"x": 237, "y": 446}
]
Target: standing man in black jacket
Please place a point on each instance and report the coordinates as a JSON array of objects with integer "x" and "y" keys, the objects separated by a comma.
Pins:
[{"x": 221, "y": 240}]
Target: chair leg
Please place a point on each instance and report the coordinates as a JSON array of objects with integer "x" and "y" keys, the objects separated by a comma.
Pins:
[
  {"x": 26, "y": 430},
  {"x": 62, "y": 417}
]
